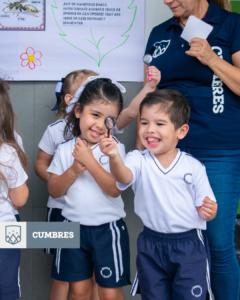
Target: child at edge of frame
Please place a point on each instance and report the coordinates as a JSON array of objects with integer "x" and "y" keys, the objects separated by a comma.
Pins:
[
  {"x": 173, "y": 198},
  {"x": 13, "y": 193}
]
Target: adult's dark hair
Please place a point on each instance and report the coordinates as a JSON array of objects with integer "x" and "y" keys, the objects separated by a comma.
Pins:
[
  {"x": 172, "y": 103},
  {"x": 100, "y": 89}
]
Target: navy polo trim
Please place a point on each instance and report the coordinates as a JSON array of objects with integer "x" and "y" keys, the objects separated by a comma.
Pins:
[
  {"x": 171, "y": 168},
  {"x": 56, "y": 123},
  {"x": 66, "y": 141}
]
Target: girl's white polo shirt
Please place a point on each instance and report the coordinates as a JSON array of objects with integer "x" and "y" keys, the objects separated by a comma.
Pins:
[
  {"x": 166, "y": 199},
  {"x": 51, "y": 139},
  {"x": 85, "y": 201},
  {"x": 15, "y": 175}
]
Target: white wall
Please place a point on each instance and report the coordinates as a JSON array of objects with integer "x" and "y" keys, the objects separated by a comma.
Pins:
[{"x": 156, "y": 13}]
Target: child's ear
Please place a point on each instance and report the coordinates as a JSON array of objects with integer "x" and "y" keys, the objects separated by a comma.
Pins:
[
  {"x": 68, "y": 98},
  {"x": 183, "y": 130},
  {"x": 77, "y": 110}
]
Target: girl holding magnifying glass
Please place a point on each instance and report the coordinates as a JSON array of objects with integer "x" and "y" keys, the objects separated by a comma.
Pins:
[{"x": 82, "y": 176}]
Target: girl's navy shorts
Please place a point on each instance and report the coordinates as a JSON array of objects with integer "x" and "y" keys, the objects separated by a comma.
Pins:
[
  {"x": 53, "y": 215},
  {"x": 174, "y": 266},
  {"x": 104, "y": 249},
  {"x": 9, "y": 274}
]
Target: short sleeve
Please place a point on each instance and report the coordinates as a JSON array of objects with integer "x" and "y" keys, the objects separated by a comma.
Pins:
[
  {"x": 201, "y": 185},
  {"x": 235, "y": 42},
  {"x": 116, "y": 130},
  {"x": 133, "y": 162},
  {"x": 47, "y": 144},
  {"x": 56, "y": 166},
  {"x": 13, "y": 171}
]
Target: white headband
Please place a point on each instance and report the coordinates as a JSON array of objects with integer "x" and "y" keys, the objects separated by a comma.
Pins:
[{"x": 82, "y": 87}]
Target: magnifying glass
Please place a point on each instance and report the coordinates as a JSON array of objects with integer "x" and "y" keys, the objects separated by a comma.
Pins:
[
  {"x": 147, "y": 59},
  {"x": 109, "y": 123}
]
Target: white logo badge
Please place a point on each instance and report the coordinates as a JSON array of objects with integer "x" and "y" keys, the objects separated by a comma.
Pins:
[
  {"x": 106, "y": 272},
  {"x": 196, "y": 291},
  {"x": 13, "y": 234},
  {"x": 160, "y": 48}
]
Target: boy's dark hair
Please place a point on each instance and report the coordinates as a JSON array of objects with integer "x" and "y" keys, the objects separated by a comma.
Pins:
[
  {"x": 172, "y": 103},
  {"x": 101, "y": 89}
]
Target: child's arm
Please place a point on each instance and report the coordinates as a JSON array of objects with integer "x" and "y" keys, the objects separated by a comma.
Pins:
[
  {"x": 41, "y": 165},
  {"x": 208, "y": 210},
  {"x": 59, "y": 184},
  {"x": 119, "y": 171},
  {"x": 104, "y": 179},
  {"x": 19, "y": 195},
  {"x": 131, "y": 112}
]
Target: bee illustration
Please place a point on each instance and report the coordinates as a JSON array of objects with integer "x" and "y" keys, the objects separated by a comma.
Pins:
[{"x": 18, "y": 7}]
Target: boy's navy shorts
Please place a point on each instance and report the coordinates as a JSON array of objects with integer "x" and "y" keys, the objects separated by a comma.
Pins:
[
  {"x": 9, "y": 274},
  {"x": 53, "y": 215},
  {"x": 104, "y": 249},
  {"x": 174, "y": 266}
]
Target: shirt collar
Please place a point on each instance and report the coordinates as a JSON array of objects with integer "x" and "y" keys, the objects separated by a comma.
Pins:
[{"x": 213, "y": 16}]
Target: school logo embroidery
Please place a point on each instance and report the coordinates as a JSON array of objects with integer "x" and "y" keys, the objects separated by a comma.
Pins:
[
  {"x": 103, "y": 160},
  {"x": 106, "y": 272},
  {"x": 197, "y": 291},
  {"x": 160, "y": 48},
  {"x": 13, "y": 234},
  {"x": 188, "y": 178}
]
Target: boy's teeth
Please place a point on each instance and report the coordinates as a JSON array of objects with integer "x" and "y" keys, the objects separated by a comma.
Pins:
[{"x": 153, "y": 140}]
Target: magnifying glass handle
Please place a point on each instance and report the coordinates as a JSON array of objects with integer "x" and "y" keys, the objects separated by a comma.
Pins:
[
  {"x": 149, "y": 76},
  {"x": 108, "y": 132}
]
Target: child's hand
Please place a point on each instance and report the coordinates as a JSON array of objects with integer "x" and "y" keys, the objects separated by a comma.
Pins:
[
  {"x": 82, "y": 153},
  {"x": 108, "y": 146},
  {"x": 77, "y": 168},
  {"x": 155, "y": 75},
  {"x": 208, "y": 210}
]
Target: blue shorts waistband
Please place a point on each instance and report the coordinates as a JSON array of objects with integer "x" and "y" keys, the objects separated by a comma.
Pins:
[
  {"x": 102, "y": 226},
  {"x": 171, "y": 237}
]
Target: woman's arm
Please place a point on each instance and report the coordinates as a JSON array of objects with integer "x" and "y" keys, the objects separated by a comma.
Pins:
[
  {"x": 229, "y": 74},
  {"x": 138, "y": 144},
  {"x": 41, "y": 165},
  {"x": 131, "y": 112},
  {"x": 19, "y": 195}
]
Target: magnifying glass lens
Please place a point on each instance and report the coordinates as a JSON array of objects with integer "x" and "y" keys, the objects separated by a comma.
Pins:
[
  {"x": 109, "y": 123},
  {"x": 147, "y": 59}
]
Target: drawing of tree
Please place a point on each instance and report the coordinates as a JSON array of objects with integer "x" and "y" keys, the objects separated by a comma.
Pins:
[{"x": 96, "y": 47}]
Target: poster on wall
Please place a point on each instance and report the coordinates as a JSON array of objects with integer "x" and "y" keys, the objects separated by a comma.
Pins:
[
  {"x": 104, "y": 36},
  {"x": 22, "y": 15}
]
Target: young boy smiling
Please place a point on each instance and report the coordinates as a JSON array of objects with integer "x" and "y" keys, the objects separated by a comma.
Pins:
[{"x": 173, "y": 199}]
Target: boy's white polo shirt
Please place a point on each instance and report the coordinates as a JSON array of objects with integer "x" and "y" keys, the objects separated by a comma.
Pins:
[
  {"x": 52, "y": 137},
  {"x": 166, "y": 199},
  {"x": 85, "y": 201}
]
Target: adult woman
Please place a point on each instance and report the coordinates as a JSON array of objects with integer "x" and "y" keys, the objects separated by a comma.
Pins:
[{"x": 207, "y": 73}]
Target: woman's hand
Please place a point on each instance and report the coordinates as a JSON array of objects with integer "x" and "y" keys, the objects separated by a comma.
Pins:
[
  {"x": 155, "y": 75},
  {"x": 201, "y": 49}
]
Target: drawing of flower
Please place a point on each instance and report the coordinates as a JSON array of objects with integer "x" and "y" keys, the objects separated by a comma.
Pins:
[{"x": 31, "y": 58}]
